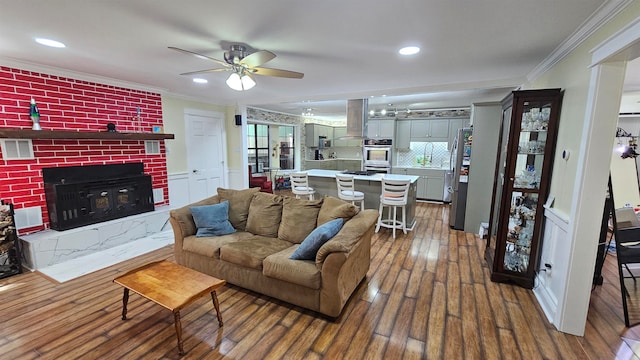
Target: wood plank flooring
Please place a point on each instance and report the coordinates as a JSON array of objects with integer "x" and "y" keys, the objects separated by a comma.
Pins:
[{"x": 426, "y": 296}]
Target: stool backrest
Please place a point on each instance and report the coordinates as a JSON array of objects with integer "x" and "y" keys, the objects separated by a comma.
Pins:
[
  {"x": 299, "y": 180},
  {"x": 345, "y": 183},
  {"x": 395, "y": 191}
]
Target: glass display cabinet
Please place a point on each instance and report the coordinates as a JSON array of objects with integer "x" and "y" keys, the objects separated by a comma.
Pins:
[{"x": 526, "y": 150}]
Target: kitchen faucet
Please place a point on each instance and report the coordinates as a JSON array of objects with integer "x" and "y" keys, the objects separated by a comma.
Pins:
[{"x": 427, "y": 160}]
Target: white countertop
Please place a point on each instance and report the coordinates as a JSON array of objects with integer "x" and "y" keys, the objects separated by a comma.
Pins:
[
  {"x": 328, "y": 159},
  {"x": 374, "y": 177}
]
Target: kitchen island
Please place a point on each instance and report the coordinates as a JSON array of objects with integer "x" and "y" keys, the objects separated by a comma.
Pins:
[{"x": 324, "y": 183}]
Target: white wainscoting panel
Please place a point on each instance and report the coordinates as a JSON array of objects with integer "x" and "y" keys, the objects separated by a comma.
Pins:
[
  {"x": 550, "y": 284},
  {"x": 237, "y": 179},
  {"x": 178, "y": 189}
]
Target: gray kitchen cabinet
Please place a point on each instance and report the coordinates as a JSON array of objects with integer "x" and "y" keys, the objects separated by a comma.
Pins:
[
  {"x": 402, "y": 139},
  {"x": 430, "y": 130},
  {"x": 434, "y": 188},
  {"x": 380, "y": 129},
  {"x": 314, "y": 131},
  {"x": 430, "y": 183}
]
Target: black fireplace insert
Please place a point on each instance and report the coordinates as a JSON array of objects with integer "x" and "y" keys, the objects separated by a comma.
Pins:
[{"x": 83, "y": 195}]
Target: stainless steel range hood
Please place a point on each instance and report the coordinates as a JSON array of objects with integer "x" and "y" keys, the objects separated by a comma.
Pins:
[{"x": 357, "y": 112}]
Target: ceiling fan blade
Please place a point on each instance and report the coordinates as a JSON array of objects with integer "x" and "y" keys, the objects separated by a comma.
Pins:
[
  {"x": 257, "y": 58},
  {"x": 206, "y": 71},
  {"x": 224, "y": 63},
  {"x": 277, "y": 72}
]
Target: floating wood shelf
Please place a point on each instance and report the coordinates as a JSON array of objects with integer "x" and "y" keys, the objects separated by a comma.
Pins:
[{"x": 58, "y": 134}]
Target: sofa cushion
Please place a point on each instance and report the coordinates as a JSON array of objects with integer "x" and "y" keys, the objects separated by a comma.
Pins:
[
  {"x": 252, "y": 251},
  {"x": 334, "y": 208},
  {"x": 210, "y": 246},
  {"x": 212, "y": 220},
  {"x": 239, "y": 201},
  {"x": 300, "y": 272},
  {"x": 265, "y": 213},
  {"x": 299, "y": 218},
  {"x": 320, "y": 235}
]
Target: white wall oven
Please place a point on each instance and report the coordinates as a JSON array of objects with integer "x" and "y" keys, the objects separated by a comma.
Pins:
[{"x": 376, "y": 155}]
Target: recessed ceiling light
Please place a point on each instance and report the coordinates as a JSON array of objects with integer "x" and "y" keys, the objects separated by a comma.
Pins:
[
  {"x": 49, "y": 42},
  {"x": 200, "y": 80},
  {"x": 409, "y": 50}
]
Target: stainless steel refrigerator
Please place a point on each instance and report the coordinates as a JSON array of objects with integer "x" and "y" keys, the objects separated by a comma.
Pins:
[{"x": 460, "y": 163}]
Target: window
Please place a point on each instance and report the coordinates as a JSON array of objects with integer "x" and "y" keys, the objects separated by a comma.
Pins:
[
  {"x": 267, "y": 143},
  {"x": 17, "y": 149},
  {"x": 287, "y": 146},
  {"x": 258, "y": 143},
  {"x": 152, "y": 147}
]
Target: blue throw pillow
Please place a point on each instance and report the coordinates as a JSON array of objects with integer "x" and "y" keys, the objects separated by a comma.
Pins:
[
  {"x": 312, "y": 243},
  {"x": 212, "y": 220}
]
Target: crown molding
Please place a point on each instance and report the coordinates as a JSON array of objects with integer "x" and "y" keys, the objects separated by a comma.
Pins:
[
  {"x": 600, "y": 17},
  {"x": 77, "y": 75}
]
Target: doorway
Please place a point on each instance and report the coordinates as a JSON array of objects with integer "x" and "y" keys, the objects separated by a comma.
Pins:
[{"x": 594, "y": 158}]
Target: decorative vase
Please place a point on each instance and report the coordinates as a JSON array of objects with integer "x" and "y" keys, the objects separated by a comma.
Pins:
[{"x": 34, "y": 114}]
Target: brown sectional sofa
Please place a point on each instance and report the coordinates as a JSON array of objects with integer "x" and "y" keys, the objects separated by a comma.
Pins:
[{"x": 269, "y": 228}]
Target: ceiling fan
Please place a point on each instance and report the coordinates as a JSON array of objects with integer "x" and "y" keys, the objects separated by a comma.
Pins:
[{"x": 243, "y": 65}]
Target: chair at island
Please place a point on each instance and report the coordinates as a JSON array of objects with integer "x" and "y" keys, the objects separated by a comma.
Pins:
[
  {"x": 300, "y": 185},
  {"x": 347, "y": 191},
  {"x": 394, "y": 195}
]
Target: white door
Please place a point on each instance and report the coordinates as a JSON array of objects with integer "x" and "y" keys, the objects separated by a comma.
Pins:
[{"x": 205, "y": 154}]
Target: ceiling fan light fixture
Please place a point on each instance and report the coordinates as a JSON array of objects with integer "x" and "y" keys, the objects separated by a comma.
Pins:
[
  {"x": 247, "y": 81},
  {"x": 240, "y": 82}
]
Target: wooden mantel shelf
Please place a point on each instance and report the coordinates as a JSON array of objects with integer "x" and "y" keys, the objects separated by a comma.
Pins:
[{"x": 59, "y": 134}]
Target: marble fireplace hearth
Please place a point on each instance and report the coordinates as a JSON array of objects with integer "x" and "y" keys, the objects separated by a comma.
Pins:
[{"x": 50, "y": 247}]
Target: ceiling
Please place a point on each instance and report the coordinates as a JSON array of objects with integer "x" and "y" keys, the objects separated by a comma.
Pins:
[{"x": 472, "y": 51}]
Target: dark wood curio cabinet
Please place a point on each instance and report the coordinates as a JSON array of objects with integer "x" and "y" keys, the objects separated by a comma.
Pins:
[{"x": 526, "y": 149}]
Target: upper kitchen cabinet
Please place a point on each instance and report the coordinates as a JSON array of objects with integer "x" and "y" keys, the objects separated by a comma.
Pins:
[
  {"x": 380, "y": 129},
  {"x": 403, "y": 134},
  {"x": 526, "y": 148},
  {"x": 430, "y": 130},
  {"x": 339, "y": 134},
  {"x": 315, "y": 131}
]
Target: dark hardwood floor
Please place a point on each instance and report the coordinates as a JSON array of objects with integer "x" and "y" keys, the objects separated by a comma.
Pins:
[{"x": 427, "y": 296}]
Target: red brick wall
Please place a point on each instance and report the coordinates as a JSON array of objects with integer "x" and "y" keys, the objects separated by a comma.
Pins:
[{"x": 73, "y": 105}]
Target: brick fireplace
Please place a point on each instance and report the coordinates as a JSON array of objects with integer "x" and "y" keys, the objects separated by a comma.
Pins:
[{"x": 73, "y": 105}]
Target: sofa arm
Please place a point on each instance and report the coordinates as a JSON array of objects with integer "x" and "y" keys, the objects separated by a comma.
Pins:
[
  {"x": 344, "y": 264},
  {"x": 352, "y": 233},
  {"x": 182, "y": 221}
]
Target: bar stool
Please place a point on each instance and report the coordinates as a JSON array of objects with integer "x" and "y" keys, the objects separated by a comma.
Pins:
[
  {"x": 346, "y": 190},
  {"x": 300, "y": 185},
  {"x": 394, "y": 194}
]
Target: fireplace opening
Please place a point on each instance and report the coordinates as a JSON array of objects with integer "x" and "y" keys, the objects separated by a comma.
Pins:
[{"x": 83, "y": 195}]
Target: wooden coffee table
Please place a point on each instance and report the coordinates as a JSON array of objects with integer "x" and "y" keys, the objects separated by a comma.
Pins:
[{"x": 171, "y": 286}]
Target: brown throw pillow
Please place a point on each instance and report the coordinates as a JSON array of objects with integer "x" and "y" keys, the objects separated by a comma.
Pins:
[
  {"x": 265, "y": 213},
  {"x": 333, "y": 208},
  {"x": 299, "y": 218},
  {"x": 239, "y": 201}
]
